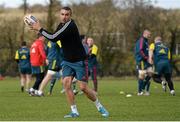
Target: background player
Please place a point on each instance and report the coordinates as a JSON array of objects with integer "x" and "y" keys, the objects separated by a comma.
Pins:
[
  {"x": 58, "y": 74},
  {"x": 92, "y": 62},
  {"x": 159, "y": 54},
  {"x": 53, "y": 62},
  {"x": 38, "y": 59},
  {"x": 142, "y": 64},
  {"x": 22, "y": 57}
]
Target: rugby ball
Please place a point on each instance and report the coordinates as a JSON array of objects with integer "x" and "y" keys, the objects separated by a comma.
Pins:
[{"x": 29, "y": 19}]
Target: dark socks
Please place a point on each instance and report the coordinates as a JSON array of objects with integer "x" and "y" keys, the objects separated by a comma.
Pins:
[
  {"x": 22, "y": 88},
  {"x": 140, "y": 85},
  {"x": 169, "y": 81}
]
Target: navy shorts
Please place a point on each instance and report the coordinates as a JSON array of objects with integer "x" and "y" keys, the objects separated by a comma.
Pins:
[
  {"x": 75, "y": 69},
  {"x": 142, "y": 65},
  {"x": 163, "y": 68},
  {"x": 38, "y": 69},
  {"x": 54, "y": 65},
  {"x": 25, "y": 70}
]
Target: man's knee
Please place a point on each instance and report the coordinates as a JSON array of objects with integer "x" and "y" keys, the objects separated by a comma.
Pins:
[
  {"x": 142, "y": 74},
  {"x": 83, "y": 86},
  {"x": 150, "y": 71},
  {"x": 67, "y": 82}
]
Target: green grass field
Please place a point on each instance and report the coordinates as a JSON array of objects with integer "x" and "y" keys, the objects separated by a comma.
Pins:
[{"x": 159, "y": 106}]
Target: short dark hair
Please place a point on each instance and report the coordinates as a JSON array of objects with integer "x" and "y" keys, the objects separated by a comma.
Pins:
[
  {"x": 23, "y": 43},
  {"x": 67, "y": 8},
  {"x": 39, "y": 35},
  {"x": 82, "y": 37}
]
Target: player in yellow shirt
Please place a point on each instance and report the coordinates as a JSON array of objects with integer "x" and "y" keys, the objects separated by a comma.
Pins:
[{"x": 92, "y": 62}]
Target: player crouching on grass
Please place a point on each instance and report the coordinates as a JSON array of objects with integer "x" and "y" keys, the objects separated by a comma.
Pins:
[{"x": 159, "y": 55}]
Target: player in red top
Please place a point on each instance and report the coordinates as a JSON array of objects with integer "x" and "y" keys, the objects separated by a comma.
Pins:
[{"x": 37, "y": 59}]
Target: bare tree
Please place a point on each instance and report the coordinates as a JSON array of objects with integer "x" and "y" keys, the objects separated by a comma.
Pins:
[
  {"x": 51, "y": 18},
  {"x": 23, "y": 27},
  {"x": 9, "y": 37}
]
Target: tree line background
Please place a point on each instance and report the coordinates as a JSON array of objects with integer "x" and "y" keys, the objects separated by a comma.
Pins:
[{"x": 115, "y": 25}]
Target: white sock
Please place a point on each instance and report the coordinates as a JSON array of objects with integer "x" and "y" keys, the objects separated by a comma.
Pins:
[
  {"x": 36, "y": 92},
  {"x": 97, "y": 104},
  {"x": 172, "y": 91},
  {"x": 74, "y": 109},
  {"x": 39, "y": 92},
  {"x": 31, "y": 89}
]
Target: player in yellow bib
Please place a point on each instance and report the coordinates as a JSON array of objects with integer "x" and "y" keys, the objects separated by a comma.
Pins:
[{"x": 159, "y": 55}]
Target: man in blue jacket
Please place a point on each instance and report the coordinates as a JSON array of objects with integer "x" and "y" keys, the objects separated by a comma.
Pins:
[{"x": 142, "y": 64}]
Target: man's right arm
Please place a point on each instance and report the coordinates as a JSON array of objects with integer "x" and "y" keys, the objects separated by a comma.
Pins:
[
  {"x": 141, "y": 49},
  {"x": 57, "y": 35}
]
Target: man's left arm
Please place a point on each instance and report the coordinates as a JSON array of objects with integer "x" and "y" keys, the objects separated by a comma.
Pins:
[
  {"x": 151, "y": 50},
  {"x": 169, "y": 55},
  {"x": 94, "y": 51}
]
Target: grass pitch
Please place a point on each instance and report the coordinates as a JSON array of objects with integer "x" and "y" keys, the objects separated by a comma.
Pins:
[{"x": 159, "y": 106}]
